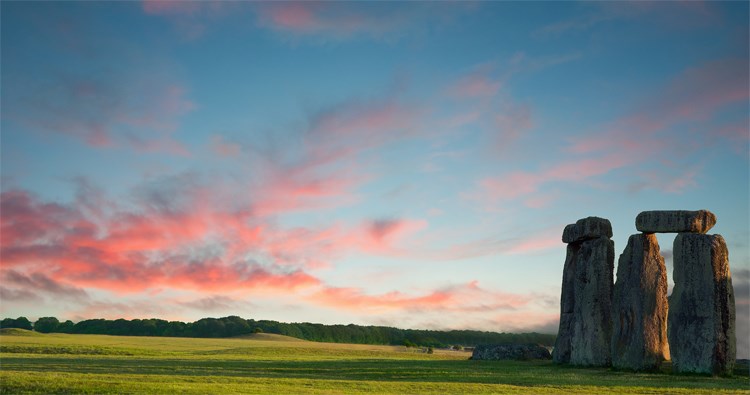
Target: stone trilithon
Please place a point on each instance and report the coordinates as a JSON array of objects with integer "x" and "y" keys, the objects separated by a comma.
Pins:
[{"x": 632, "y": 324}]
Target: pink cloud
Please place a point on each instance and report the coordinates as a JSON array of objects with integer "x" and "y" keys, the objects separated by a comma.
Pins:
[
  {"x": 224, "y": 148},
  {"x": 342, "y": 20},
  {"x": 190, "y": 18},
  {"x": 521, "y": 184},
  {"x": 512, "y": 123},
  {"x": 697, "y": 94},
  {"x": 366, "y": 123},
  {"x": 192, "y": 243},
  {"x": 136, "y": 251},
  {"x": 383, "y": 231},
  {"x": 479, "y": 83},
  {"x": 327, "y": 166},
  {"x": 107, "y": 111},
  {"x": 673, "y": 181},
  {"x": 700, "y": 91},
  {"x": 338, "y": 20},
  {"x": 675, "y": 14},
  {"x": 180, "y": 235},
  {"x": 305, "y": 187},
  {"x": 296, "y": 16},
  {"x": 542, "y": 241},
  {"x": 482, "y": 102},
  {"x": 172, "y": 7},
  {"x": 466, "y": 297}
]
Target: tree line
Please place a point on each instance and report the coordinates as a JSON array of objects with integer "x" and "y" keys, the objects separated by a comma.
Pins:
[{"x": 236, "y": 326}]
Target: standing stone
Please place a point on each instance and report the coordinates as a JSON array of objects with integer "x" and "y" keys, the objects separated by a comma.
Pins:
[
  {"x": 702, "y": 312},
  {"x": 675, "y": 221},
  {"x": 639, "y": 316},
  {"x": 561, "y": 353},
  {"x": 592, "y": 319}
]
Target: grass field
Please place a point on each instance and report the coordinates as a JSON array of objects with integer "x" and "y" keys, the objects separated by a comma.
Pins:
[{"x": 58, "y": 363}]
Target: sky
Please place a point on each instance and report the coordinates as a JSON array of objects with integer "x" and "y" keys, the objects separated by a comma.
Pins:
[{"x": 409, "y": 164}]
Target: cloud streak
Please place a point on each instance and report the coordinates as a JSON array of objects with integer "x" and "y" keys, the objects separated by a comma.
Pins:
[
  {"x": 465, "y": 297},
  {"x": 649, "y": 132},
  {"x": 343, "y": 21}
]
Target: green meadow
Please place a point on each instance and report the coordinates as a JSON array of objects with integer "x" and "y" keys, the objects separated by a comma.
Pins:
[{"x": 262, "y": 363}]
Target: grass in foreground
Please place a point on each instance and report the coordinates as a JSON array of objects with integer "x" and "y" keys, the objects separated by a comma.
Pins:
[{"x": 58, "y": 363}]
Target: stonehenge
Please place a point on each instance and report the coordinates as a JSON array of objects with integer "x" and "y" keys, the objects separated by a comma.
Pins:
[
  {"x": 631, "y": 324},
  {"x": 585, "y": 307}
]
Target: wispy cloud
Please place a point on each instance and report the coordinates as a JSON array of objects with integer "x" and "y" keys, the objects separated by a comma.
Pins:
[
  {"x": 107, "y": 94},
  {"x": 39, "y": 282},
  {"x": 647, "y": 134},
  {"x": 465, "y": 297},
  {"x": 224, "y": 148},
  {"x": 478, "y": 83},
  {"x": 190, "y": 19},
  {"x": 216, "y": 303},
  {"x": 190, "y": 245},
  {"x": 677, "y": 15},
  {"x": 341, "y": 21}
]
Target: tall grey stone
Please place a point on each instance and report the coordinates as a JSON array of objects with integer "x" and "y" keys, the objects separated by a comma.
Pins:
[
  {"x": 639, "y": 315},
  {"x": 592, "y": 320},
  {"x": 561, "y": 352},
  {"x": 702, "y": 312},
  {"x": 586, "y": 229},
  {"x": 675, "y": 221}
]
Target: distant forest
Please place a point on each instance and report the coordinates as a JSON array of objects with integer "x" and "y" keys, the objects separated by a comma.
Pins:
[{"x": 236, "y": 326}]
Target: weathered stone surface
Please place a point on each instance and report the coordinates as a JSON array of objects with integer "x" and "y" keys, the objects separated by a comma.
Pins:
[
  {"x": 639, "y": 303},
  {"x": 561, "y": 353},
  {"x": 675, "y": 221},
  {"x": 702, "y": 313},
  {"x": 587, "y": 229},
  {"x": 592, "y": 319},
  {"x": 510, "y": 351}
]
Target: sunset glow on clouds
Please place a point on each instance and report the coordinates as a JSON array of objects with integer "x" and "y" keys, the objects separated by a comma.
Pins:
[{"x": 402, "y": 164}]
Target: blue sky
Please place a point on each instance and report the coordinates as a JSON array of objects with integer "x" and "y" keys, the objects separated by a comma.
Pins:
[{"x": 407, "y": 164}]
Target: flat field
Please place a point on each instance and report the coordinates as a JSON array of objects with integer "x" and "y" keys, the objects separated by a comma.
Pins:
[{"x": 96, "y": 364}]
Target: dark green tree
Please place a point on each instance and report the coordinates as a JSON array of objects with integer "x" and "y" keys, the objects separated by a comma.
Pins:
[
  {"x": 46, "y": 324},
  {"x": 20, "y": 322},
  {"x": 65, "y": 327}
]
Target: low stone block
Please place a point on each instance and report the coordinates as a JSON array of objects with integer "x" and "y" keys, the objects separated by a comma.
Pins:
[
  {"x": 587, "y": 229},
  {"x": 701, "y": 308},
  {"x": 517, "y": 352},
  {"x": 675, "y": 221}
]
